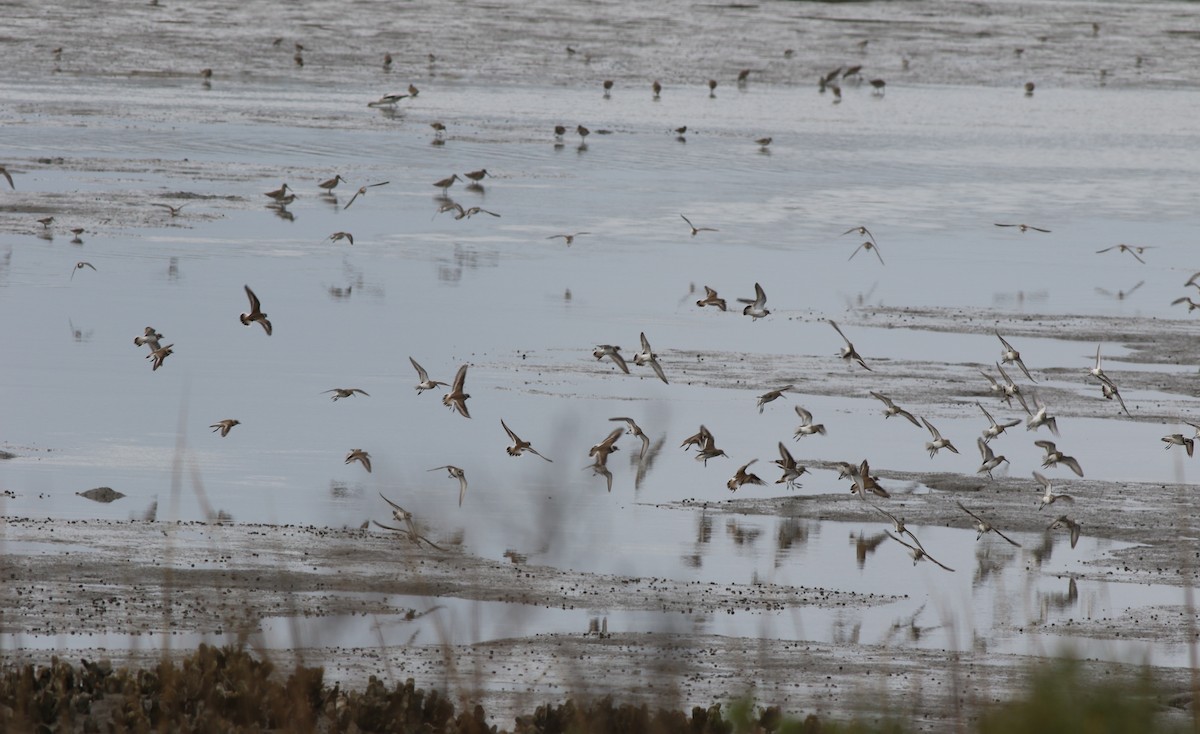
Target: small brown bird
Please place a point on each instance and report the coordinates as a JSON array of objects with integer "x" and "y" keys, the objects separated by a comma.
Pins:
[
  {"x": 878, "y": 85},
  {"x": 1023, "y": 227},
  {"x": 446, "y": 183},
  {"x": 387, "y": 62},
  {"x": 741, "y": 477},
  {"x": 697, "y": 230},
  {"x": 460, "y": 475},
  {"x": 278, "y": 194},
  {"x": 438, "y": 128},
  {"x": 570, "y": 238},
  {"x": 361, "y": 457},
  {"x": 1135, "y": 251},
  {"x": 608, "y": 85},
  {"x": 413, "y": 91},
  {"x": 656, "y": 88},
  {"x": 80, "y": 266},
  {"x": 206, "y": 73},
  {"x": 46, "y": 222},
  {"x": 712, "y": 88},
  {"x": 339, "y": 236},
  {"x": 255, "y": 313},
  {"x": 519, "y": 447},
  {"x": 711, "y": 299},
  {"x": 345, "y": 392},
  {"x": 456, "y": 399},
  {"x": 159, "y": 355},
  {"x": 763, "y": 142},
  {"x": 1029, "y": 87},
  {"x": 174, "y": 210},
  {"x": 362, "y": 191},
  {"x": 743, "y": 75},
  {"x": 559, "y": 131},
  {"x": 583, "y": 132},
  {"x": 330, "y": 184},
  {"x": 479, "y": 175},
  {"x": 224, "y": 426},
  {"x": 601, "y": 451}
]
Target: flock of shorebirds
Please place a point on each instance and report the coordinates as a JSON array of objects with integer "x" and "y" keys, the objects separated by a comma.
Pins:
[{"x": 863, "y": 483}]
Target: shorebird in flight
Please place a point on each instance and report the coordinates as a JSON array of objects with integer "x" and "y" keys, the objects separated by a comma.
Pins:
[
  {"x": 1049, "y": 497},
  {"x": 345, "y": 392},
  {"x": 1024, "y": 227},
  {"x": 742, "y": 477},
  {"x": 410, "y": 526},
  {"x": 1178, "y": 439},
  {"x": 460, "y": 475},
  {"x": 569, "y": 238},
  {"x": 361, "y": 457},
  {"x": 1054, "y": 457},
  {"x": 613, "y": 352},
  {"x": 1192, "y": 305},
  {"x": 636, "y": 430},
  {"x": 456, "y": 399},
  {"x": 867, "y": 245},
  {"x": 1011, "y": 389},
  {"x": 339, "y": 236},
  {"x": 983, "y": 526},
  {"x": 174, "y": 210},
  {"x": 1041, "y": 418},
  {"x": 918, "y": 551},
  {"x": 995, "y": 429},
  {"x": 225, "y": 426},
  {"x": 8, "y": 177},
  {"x": 425, "y": 383},
  {"x": 648, "y": 357},
  {"x": 897, "y": 522},
  {"x": 80, "y": 266},
  {"x": 864, "y": 482},
  {"x": 708, "y": 447},
  {"x": 990, "y": 459},
  {"x": 807, "y": 427},
  {"x": 362, "y": 191},
  {"x": 756, "y": 308},
  {"x": 892, "y": 409},
  {"x": 159, "y": 355},
  {"x": 772, "y": 395},
  {"x": 1010, "y": 355},
  {"x": 697, "y": 439},
  {"x": 711, "y": 299},
  {"x": 519, "y": 447},
  {"x": 1135, "y": 251},
  {"x": 938, "y": 442},
  {"x": 1062, "y": 521},
  {"x": 861, "y": 232},
  {"x": 848, "y": 352},
  {"x": 255, "y": 313},
  {"x": 601, "y": 450},
  {"x": 696, "y": 230},
  {"x": 791, "y": 470}
]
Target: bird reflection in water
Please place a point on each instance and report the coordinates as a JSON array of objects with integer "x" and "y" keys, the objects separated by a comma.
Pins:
[
  {"x": 1120, "y": 295},
  {"x": 865, "y": 545},
  {"x": 908, "y": 628},
  {"x": 462, "y": 259},
  {"x": 644, "y": 461},
  {"x": 79, "y": 335},
  {"x": 1041, "y": 553},
  {"x": 742, "y": 535},
  {"x": 791, "y": 533},
  {"x": 1019, "y": 298},
  {"x": 1058, "y": 601}
]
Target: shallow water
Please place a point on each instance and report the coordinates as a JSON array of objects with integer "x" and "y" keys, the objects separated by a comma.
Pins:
[{"x": 930, "y": 168}]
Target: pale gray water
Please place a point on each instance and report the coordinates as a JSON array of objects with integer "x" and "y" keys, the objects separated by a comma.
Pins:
[{"x": 952, "y": 148}]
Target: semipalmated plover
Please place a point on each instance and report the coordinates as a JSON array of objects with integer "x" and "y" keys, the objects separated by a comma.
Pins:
[
  {"x": 711, "y": 299},
  {"x": 425, "y": 383},
  {"x": 519, "y": 447},
  {"x": 756, "y": 308},
  {"x": 848, "y": 352},
  {"x": 648, "y": 357},
  {"x": 807, "y": 427},
  {"x": 613, "y": 352},
  {"x": 255, "y": 313},
  {"x": 601, "y": 450}
]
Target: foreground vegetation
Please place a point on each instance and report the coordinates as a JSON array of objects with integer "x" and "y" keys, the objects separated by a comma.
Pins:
[{"x": 229, "y": 690}]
